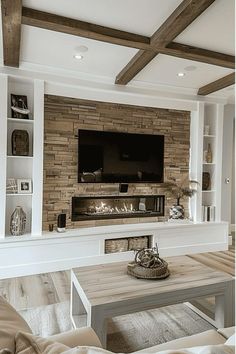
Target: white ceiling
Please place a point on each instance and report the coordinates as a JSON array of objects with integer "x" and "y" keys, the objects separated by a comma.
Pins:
[{"x": 54, "y": 51}]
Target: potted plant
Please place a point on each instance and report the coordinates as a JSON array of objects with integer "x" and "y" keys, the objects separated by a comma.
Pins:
[{"x": 180, "y": 189}]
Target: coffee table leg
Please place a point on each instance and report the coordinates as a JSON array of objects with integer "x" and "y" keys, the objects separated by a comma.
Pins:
[
  {"x": 224, "y": 307},
  {"x": 98, "y": 322},
  {"x": 78, "y": 312}
]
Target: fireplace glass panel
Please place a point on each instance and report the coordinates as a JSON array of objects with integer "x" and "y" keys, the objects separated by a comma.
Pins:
[{"x": 116, "y": 207}]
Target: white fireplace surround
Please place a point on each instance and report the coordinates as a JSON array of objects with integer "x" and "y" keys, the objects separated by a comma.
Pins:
[{"x": 86, "y": 246}]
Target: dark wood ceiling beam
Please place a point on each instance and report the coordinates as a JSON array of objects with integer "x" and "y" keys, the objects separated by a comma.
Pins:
[
  {"x": 201, "y": 55},
  {"x": 11, "y": 31},
  {"x": 182, "y": 17},
  {"x": 149, "y": 51},
  {"x": 74, "y": 27},
  {"x": 217, "y": 85}
]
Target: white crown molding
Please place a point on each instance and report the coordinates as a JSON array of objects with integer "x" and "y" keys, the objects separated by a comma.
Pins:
[{"x": 82, "y": 85}]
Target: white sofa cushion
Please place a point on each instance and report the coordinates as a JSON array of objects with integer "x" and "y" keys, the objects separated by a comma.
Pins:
[
  {"x": 30, "y": 344},
  {"x": 211, "y": 349},
  {"x": 81, "y": 336},
  {"x": 210, "y": 337},
  {"x": 226, "y": 332}
]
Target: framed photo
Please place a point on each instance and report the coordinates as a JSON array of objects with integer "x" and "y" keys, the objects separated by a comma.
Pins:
[
  {"x": 24, "y": 186},
  {"x": 11, "y": 186},
  {"x": 19, "y": 107}
]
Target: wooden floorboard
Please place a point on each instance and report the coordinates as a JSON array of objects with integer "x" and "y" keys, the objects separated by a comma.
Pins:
[{"x": 222, "y": 260}]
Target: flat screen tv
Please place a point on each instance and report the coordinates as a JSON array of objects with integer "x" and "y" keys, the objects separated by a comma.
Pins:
[{"x": 119, "y": 157}]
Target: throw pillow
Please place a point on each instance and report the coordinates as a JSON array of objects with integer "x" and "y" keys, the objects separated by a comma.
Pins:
[
  {"x": 10, "y": 323},
  {"x": 231, "y": 340},
  {"x": 30, "y": 344}
]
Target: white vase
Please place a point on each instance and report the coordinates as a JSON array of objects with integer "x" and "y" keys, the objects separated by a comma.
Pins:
[{"x": 18, "y": 222}]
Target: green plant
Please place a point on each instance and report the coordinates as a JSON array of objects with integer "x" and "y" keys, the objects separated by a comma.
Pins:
[{"x": 180, "y": 189}]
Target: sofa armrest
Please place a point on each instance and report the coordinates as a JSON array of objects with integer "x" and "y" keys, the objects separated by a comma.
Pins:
[
  {"x": 210, "y": 337},
  {"x": 79, "y": 337},
  {"x": 226, "y": 332}
]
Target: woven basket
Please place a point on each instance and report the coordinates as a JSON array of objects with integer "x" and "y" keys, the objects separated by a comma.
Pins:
[
  {"x": 136, "y": 243},
  {"x": 138, "y": 271},
  {"x": 116, "y": 245}
]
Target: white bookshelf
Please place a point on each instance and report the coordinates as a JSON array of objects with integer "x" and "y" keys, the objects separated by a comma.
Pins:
[
  {"x": 211, "y": 198},
  {"x": 21, "y": 167},
  {"x": 210, "y": 114}
]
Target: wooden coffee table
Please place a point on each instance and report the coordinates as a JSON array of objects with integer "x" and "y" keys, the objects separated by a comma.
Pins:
[{"x": 102, "y": 291}]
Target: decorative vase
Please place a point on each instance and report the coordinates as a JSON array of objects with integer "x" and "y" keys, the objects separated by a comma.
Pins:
[
  {"x": 177, "y": 211},
  {"x": 206, "y": 181},
  {"x": 18, "y": 222},
  {"x": 20, "y": 142}
]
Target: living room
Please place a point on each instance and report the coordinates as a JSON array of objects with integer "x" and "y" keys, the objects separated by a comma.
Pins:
[{"x": 117, "y": 176}]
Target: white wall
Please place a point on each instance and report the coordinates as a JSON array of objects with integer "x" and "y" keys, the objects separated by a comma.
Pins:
[
  {"x": 233, "y": 181},
  {"x": 227, "y": 188}
]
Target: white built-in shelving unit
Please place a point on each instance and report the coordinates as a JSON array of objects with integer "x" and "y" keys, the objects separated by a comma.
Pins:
[
  {"x": 211, "y": 115},
  {"x": 21, "y": 167},
  {"x": 213, "y": 118},
  {"x": 84, "y": 246}
]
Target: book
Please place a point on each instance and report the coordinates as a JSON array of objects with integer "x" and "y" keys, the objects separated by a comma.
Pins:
[{"x": 208, "y": 213}]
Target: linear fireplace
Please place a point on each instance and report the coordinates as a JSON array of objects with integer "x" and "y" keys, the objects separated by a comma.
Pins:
[{"x": 113, "y": 207}]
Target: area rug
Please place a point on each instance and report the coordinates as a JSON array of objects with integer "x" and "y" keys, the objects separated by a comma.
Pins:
[
  {"x": 125, "y": 333},
  {"x": 48, "y": 320}
]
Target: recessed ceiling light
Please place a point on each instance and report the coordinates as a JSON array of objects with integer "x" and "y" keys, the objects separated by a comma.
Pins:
[
  {"x": 190, "y": 68},
  {"x": 78, "y": 56},
  {"x": 181, "y": 74},
  {"x": 81, "y": 49}
]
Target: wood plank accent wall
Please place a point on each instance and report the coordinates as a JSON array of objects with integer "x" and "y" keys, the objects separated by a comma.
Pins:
[{"x": 64, "y": 116}]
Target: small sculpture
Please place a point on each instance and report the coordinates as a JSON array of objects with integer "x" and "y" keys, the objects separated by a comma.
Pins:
[
  {"x": 148, "y": 265},
  {"x": 19, "y": 107}
]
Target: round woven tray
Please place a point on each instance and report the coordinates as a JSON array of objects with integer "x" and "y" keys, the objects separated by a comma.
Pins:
[{"x": 138, "y": 271}]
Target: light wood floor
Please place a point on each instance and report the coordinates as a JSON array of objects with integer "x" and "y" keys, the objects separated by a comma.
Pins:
[
  {"x": 224, "y": 260},
  {"x": 50, "y": 288},
  {"x": 127, "y": 333}
]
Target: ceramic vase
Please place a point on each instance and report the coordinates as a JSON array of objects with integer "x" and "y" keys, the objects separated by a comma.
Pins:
[
  {"x": 177, "y": 211},
  {"x": 18, "y": 222}
]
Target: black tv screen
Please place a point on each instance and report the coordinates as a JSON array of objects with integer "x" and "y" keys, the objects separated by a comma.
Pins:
[{"x": 119, "y": 157}]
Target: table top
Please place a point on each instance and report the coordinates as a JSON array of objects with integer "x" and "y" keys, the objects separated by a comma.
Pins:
[{"x": 107, "y": 283}]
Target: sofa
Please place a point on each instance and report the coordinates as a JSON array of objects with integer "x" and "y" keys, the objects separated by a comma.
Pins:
[{"x": 11, "y": 323}]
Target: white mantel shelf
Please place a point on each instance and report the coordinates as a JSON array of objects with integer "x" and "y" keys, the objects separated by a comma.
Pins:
[
  {"x": 101, "y": 230},
  {"x": 52, "y": 251}
]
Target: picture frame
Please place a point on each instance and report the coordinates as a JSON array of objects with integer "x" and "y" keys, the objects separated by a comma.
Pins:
[
  {"x": 19, "y": 107},
  {"x": 11, "y": 186},
  {"x": 24, "y": 186}
]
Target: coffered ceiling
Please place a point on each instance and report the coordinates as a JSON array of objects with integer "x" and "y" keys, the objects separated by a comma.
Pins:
[{"x": 204, "y": 24}]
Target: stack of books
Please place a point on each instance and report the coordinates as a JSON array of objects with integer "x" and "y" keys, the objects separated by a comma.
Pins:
[{"x": 208, "y": 213}]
